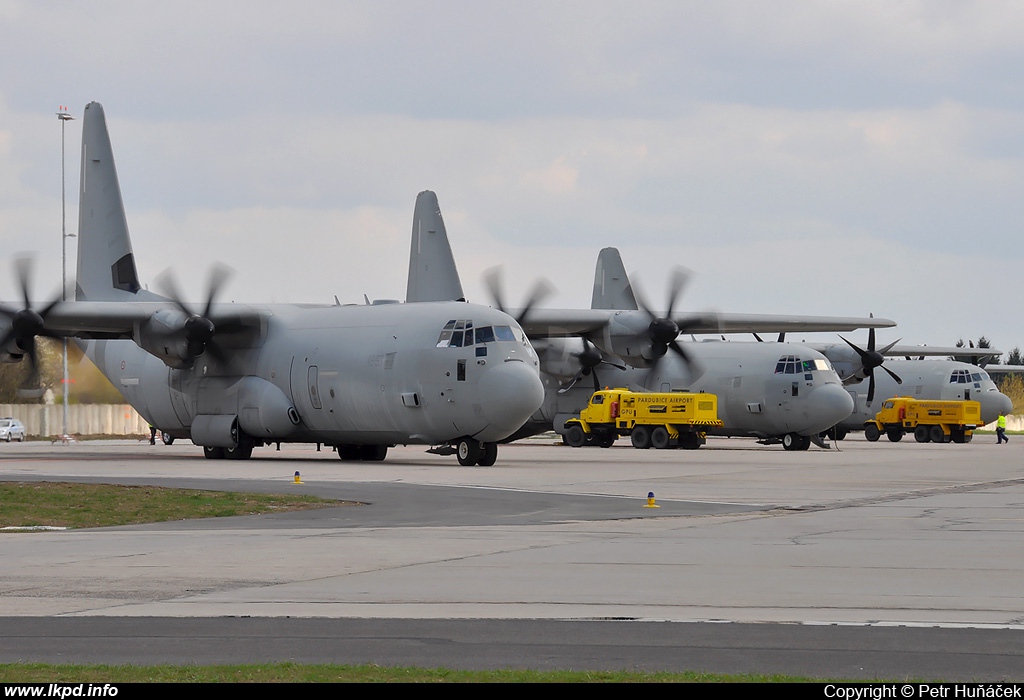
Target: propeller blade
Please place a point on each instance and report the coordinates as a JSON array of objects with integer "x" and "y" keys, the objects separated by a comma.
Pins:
[{"x": 892, "y": 374}]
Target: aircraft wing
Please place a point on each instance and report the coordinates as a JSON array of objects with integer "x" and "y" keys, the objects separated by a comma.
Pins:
[
  {"x": 939, "y": 351},
  {"x": 120, "y": 319},
  {"x": 540, "y": 323}
]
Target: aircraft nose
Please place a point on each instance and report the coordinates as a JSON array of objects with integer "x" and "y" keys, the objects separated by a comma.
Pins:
[
  {"x": 992, "y": 404},
  {"x": 827, "y": 405},
  {"x": 510, "y": 393}
]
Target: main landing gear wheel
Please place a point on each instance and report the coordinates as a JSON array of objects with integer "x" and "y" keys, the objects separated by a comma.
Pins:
[
  {"x": 167, "y": 439},
  {"x": 488, "y": 454},
  {"x": 242, "y": 450},
  {"x": 468, "y": 452},
  {"x": 213, "y": 452},
  {"x": 794, "y": 443}
]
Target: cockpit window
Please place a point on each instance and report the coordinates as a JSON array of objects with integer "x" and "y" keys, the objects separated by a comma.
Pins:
[
  {"x": 791, "y": 364},
  {"x": 461, "y": 334},
  {"x": 484, "y": 334},
  {"x": 960, "y": 376},
  {"x": 504, "y": 333}
]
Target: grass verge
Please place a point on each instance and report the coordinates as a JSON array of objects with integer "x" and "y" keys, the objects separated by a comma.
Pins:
[
  {"x": 324, "y": 673},
  {"x": 72, "y": 505}
]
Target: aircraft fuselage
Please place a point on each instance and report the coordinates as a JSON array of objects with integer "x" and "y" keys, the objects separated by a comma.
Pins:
[
  {"x": 760, "y": 393},
  {"x": 342, "y": 375}
]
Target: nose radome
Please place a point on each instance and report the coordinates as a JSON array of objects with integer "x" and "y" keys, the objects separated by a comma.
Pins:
[
  {"x": 510, "y": 393},
  {"x": 829, "y": 404},
  {"x": 992, "y": 404}
]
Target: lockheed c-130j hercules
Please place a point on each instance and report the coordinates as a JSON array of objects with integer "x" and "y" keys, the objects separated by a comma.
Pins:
[
  {"x": 786, "y": 392},
  {"x": 233, "y": 377}
]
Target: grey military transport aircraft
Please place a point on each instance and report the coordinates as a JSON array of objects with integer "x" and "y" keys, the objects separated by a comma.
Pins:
[
  {"x": 772, "y": 391},
  {"x": 232, "y": 377},
  {"x": 940, "y": 378}
]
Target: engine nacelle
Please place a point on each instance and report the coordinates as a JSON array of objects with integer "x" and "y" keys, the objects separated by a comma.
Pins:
[{"x": 163, "y": 335}]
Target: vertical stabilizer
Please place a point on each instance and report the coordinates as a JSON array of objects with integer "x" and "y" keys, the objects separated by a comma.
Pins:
[
  {"x": 612, "y": 289},
  {"x": 432, "y": 272},
  {"x": 106, "y": 265}
]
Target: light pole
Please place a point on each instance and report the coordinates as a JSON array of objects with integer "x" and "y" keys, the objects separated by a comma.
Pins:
[{"x": 64, "y": 116}]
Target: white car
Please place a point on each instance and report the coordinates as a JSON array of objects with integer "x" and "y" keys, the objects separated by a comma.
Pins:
[{"x": 11, "y": 429}]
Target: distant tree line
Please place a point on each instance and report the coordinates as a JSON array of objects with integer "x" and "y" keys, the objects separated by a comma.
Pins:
[{"x": 88, "y": 385}]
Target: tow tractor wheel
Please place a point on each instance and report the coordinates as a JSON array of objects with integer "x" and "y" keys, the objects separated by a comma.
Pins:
[
  {"x": 659, "y": 438},
  {"x": 641, "y": 437},
  {"x": 894, "y": 434},
  {"x": 575, "y": 437},
  {"x": 488, "y": 454},
  {"x": 468, "y": 452},
  {"x": 937, "y": 434},
  {"x": 921, "y": 433},
  {"x": 871, "y": 432}
]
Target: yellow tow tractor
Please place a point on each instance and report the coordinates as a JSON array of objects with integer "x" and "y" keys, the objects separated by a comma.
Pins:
[
  {"x": 930, "y": 421},
  {"x": 659, "y": 420}
]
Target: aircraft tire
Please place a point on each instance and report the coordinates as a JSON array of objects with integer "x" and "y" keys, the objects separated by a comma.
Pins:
[
  {"x": 937, "y": 434},
  {"x": 575, "y": 437},
  {"x": 659, "y": 438},
  {"x": 8, "y": 437},
  {"x": 348, "y": 453},
  {"x": 242, "y": 450},
  {"x": 894, "y": 434},
  {"x": 488, "y": 454},
  {"x": 640, "y": 437},
  {"x": 213, "y": 452},
  {"x": 790, "y": 442},
  {"x": 921, "y": 433},
  {"x": 166, "y": 438},
  {"x": 871, "y": 432},
  {"x": 373, "y": 453},
  {"x": 468, "y": 452}
]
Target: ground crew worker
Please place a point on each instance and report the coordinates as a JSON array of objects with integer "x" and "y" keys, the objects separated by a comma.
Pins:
[{"x": 1001, "y": 429}]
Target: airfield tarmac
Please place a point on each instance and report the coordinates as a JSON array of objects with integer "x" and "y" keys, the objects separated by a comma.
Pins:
[{"x": 872, "y": 561}]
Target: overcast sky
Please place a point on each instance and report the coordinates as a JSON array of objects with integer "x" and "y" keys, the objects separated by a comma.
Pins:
[{"x": 799, "y": 157}]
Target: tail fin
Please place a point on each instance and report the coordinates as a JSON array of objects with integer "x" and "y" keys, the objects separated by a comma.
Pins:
[
  {"x": 612, "y": 289},
  {"x": 106, "y": 264},
  {"x": 432, "y": 272}
]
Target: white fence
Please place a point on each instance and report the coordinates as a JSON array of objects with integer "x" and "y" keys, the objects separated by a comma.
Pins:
[{"x": 83, "y": 419}]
